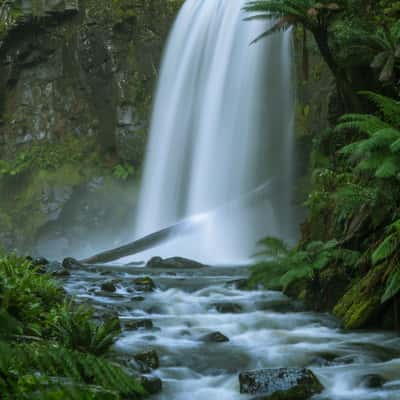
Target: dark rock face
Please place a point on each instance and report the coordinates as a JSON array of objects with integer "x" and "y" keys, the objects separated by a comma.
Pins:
[
  {"x": 174, "y": 263},
  {"x": 75, "y": 71},
  {"x": 147, "y": 361},
  {"x": 228, "y": 308},
  {"x": 280, "y": 383},
  {"x": 145, "y": 284},
  {"x": 215, "y": 337}
]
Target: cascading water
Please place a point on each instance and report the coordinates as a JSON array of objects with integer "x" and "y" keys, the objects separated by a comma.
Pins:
[{"x": 222, "y": 126}]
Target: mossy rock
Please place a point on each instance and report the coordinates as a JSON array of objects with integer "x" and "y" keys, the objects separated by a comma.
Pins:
[{"x": 361, "y": 305}]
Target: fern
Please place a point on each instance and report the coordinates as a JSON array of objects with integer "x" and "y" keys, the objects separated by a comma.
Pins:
[
  {"x": 378, "y": 153},
  {"x": 73, "y": 326},
  {"x": 53, "y": 369}
]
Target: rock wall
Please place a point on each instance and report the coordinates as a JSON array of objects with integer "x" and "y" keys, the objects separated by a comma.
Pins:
[{"x": 80, "y": 72}]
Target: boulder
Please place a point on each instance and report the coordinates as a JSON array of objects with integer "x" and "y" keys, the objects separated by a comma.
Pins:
[
  {"x": 151, "y": 384},
  {"x": 139, "y": 324},
  {"x": 373, "y": 381},
  {"x": 138, "y": 298},
  {"x": 71, "y": 263},
  {"x": 174, "y": 263},
  {"x": 214, "y": 337},
  {"x": 145, "y": 284},
  {"x": 280, "y": 384},
  {"x": 54, "y": 268},
  {"x": 147, "y": 360},
  {"x": 228, "y": 308},
  {"x": 109, "y": 286}
]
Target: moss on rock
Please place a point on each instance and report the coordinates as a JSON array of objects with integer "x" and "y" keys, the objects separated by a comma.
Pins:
[{"x": 361, "y": 305}]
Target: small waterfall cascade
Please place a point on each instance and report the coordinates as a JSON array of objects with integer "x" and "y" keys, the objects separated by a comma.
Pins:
[{"x": 222, "y": 127}]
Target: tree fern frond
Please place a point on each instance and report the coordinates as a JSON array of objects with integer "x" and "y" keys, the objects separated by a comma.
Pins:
[
  {"x": 389, "y": 168},
  {"x": 385, "y": 249}
]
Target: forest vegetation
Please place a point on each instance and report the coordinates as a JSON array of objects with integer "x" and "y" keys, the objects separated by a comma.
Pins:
[{"x": 352, "y": 228}]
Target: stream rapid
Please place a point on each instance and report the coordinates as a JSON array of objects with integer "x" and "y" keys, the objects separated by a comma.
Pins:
[{"x": 265, "y": 330}]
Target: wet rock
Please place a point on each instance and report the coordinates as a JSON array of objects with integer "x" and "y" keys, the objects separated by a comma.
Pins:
[
  {"x": 280, "y": 383},
  {"x": 214, "y": 337},
  {"x": 41, "y": 261},
  {"x": 151, "y": 384},
  {"x": 373, "y": 381},
  {"x": 139, "y": 324},
  {"x": 324, "y": 359},
  {"x": 145, "y": 284},
  {"x": 240, "y": 284},
  {"x": 174, "y": 263},
  {"x": 55, "y": 269},
  {"x": 138, "y": 298},
  {"x": 147, "y": 361},
  {"x": 109, "y": 286},
  {"x": 228, "y": 308},
  {"x": 71, "y": 263}
]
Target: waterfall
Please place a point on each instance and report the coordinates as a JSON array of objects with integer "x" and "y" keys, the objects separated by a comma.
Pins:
[{"x": 222, "y": 127}]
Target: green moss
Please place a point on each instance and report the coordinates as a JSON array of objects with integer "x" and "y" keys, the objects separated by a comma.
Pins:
[{"x": 362, "y": 302}]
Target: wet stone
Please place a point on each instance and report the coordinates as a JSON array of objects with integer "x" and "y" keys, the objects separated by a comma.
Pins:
[
  {"x": 145, "y": 284},
  {"x": 228, "y": 308},
  {"x": 146, "y": 324},
  {"x": 147, "y": 361},
  {"x": 373, "y": 381},
  {"x": 280, "y": 383},
  {"x": 138, "y": 298},
  {"x": 215, "y": 337},
  {"x": 174, "y": 263},
  {"x": 71, "y": 263},
  {"x": 55, "y": 268},
  {"x": 151, "y": 384},
  {"x": 109, "y": 286}
]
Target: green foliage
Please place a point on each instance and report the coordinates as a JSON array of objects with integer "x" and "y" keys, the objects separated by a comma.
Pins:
[
  {"x": 74, "y": 327},
  {"x": 378, "y": 152},
  {"x": 123, "y": 171},
  {"x": 25, "y": 293},
  {"x": 284, "y": 266},
  {"x": 388, "y": 251},
  {"x": 36, "y": 371},
  {"x": 49, "y": 156},
  {"x": 53, "y": 349}
]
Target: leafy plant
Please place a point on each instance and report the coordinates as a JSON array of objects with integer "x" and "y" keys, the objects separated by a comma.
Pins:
[
  {"x": 315, "y": 17},
  {"x": 123, "y": 171},
  {"x": 75, "y": 328},
  {"x": 389, "y": 251},
  {"x": 379, "y": 152},
  {"x": 283, "y": 265}
]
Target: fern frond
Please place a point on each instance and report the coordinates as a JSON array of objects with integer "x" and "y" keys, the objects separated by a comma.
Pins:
[
  {"x": 392, "y": 286},
  {"x": 386, "y": 249}
]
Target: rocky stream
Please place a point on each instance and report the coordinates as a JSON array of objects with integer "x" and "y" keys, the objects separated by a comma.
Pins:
[{"x": 193, "y": 328}]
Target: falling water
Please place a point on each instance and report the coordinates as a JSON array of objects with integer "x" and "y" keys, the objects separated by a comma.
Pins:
[{"x": 222, "y": 126}]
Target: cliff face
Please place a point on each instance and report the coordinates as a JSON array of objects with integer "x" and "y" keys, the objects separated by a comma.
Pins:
[{"x": 76, "y": 85}]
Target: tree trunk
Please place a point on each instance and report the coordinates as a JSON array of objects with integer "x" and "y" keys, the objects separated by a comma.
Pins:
[{"x": 350, "y": 100}]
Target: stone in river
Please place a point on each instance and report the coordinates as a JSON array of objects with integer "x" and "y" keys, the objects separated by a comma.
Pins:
[
  {"x": 174, "y": 263},
  {"x": 151, "y": 384},
  {"x": 145, "y": 284},
  {"x": 215, "y": 337},
  {"x": 147, "y": 360},
  {"x": 231, "y": 308},
  {"x": 280, "y": 384},
  {"x": 108, "y": 286},
  {"x": 139, "y": 324}
]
